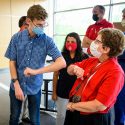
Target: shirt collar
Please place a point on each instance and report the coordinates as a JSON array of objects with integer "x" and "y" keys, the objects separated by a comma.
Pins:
[{"x": 101, "y": 22}]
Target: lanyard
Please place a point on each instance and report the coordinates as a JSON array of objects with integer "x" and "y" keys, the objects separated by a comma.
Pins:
[{"x": 83, "y": 83}]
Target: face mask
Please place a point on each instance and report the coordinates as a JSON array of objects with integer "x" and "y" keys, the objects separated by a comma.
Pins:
[
  {"x": 71, "y": 46},
  {"x": 123, "y": 22},
  {"x": 85, "y": 50},
  {"x": 94, "y": 51},
  {"x": 95, "y": 17},
  {"x": 38, "y": 31}
]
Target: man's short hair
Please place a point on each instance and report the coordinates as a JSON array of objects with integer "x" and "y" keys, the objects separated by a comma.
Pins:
[
  {"x": 22, "y": 21},
  {"x": 37, "y": 12},
  {"x": 102, "y": 8}
]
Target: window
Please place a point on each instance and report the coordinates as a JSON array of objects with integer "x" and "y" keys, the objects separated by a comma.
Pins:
[
  {"x": 59, "y": 40},
  {"x": 76, "y": 16},
  {"x": 118, "y": 1},
  {"x": 61, "y": 5},
  {"x": 74, "y": 21},
  {"x": 117, "y": 12}
]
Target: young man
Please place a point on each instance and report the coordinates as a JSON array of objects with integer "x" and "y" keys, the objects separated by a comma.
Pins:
[
  {"x": 29, "y": 48},
  {"x": 100, "y": 23}
]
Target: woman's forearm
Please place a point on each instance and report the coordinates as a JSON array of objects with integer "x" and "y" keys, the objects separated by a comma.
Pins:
[
  {"x": 55, "y": 79},
  {"x": 89, "y": 106}
]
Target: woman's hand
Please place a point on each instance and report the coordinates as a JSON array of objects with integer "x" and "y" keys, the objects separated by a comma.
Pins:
[
  {"x": 54, "y": 96},
  {"x": 69, "y": 106},
  {"x": 29, "y": 72},
  {"x": 79, "y": 72}
]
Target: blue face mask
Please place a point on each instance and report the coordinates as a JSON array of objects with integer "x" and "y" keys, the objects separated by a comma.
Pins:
[{"x": 38, "y": 31}]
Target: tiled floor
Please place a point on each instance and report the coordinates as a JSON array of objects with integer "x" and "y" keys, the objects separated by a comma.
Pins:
[{"x": 46, "y": 119}]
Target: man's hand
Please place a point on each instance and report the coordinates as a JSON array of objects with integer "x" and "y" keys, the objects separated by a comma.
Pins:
[
  {"x": 79, "y": 72},
  {"x": 18, "y": 91},
  {"x": 29, "y": 72}
]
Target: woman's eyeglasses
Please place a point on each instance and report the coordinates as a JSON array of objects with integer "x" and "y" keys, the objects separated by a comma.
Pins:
[{"x": 97, "y": 41}]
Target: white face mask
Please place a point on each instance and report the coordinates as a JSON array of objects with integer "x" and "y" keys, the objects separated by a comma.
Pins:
[
  {"x": 85, "y": 50},
  {"x": 94, "y": 51},
  {"x": 123, "y": 22}
]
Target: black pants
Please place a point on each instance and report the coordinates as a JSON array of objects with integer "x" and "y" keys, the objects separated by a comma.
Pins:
[
  {"x": 120, "y": 108},
  {"x": 75, "y": 118}
]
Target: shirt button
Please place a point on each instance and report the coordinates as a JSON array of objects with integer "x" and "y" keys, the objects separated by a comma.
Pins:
[
  {"x": 28, "y": 59},
  {"x": 31, "y": 42}
]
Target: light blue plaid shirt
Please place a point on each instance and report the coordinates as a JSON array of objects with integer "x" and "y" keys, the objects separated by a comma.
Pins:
[{"x": 30, "y": 52}]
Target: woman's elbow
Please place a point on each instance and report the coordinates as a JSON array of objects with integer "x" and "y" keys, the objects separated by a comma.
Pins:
[
  {"x": 99, "y": 106},
  {"x": 102, "y": 108}
]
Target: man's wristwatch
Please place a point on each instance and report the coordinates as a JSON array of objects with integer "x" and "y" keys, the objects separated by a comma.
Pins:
[{"x": 14, "y": 80}]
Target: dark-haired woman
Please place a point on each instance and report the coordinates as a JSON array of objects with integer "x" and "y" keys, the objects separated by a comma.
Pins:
[{"x": 62, "y": 81}]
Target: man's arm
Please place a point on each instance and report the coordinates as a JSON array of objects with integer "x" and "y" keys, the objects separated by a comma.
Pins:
[
  {"x": 18, "y": 91},
  {"x": 89, "y": 106},
  {"x": 57, "y": 65},
  {"x": 86, "y": 42}
]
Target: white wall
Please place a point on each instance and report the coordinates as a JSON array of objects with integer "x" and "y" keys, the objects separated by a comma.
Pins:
[{"x": 10, "y": 12}]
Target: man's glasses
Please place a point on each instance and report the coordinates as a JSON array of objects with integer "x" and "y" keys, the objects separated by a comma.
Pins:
[
  {"x": 46, "y": 24},
  {"x": 42, "y": 25}
]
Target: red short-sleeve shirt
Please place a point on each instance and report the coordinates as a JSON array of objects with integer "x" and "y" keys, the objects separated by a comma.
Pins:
[
  {"x": 93, "y": 30},
  {"x": 105, "y": 84}
]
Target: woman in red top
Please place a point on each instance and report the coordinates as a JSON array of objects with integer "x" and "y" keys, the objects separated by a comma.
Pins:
[{"x": 99, "y": 81}]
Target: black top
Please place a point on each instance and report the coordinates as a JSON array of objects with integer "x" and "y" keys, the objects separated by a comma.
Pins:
[
  {"x": 66, "y": 81},
  {"x": 121, "y": 60}
]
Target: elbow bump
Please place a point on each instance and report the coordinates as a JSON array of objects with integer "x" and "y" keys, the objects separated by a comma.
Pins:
[
  {"x": 64, "y": 64},
  {"x": 61, "y": 62}
]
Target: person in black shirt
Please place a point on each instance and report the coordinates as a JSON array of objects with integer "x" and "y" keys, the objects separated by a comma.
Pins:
[{"x": 62, "y": 81}]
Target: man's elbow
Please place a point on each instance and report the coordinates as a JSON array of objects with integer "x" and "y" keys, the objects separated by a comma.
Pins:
[{"x": 61, "y": 61}]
